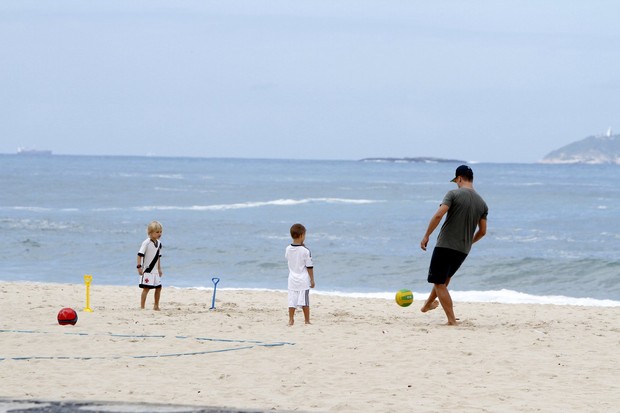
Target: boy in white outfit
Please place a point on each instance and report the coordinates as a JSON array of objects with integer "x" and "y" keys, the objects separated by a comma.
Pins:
[
  {"x": 300, "y": 274},
  {"x": 149, "y": 264}
]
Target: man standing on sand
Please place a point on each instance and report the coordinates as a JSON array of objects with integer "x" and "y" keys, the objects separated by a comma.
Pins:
[{"x": 465, "y": 224}]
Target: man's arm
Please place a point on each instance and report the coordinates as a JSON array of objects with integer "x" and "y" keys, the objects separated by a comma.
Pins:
[
  {"x": 434, "y": 222},
  {"x": 482, "y": 230}
]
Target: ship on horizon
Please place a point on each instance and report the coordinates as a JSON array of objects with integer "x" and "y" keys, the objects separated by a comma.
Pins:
[{"x": 38, "y": 152}]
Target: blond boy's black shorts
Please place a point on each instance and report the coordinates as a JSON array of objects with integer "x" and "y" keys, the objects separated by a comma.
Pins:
[{"x": 444, "y": 264}]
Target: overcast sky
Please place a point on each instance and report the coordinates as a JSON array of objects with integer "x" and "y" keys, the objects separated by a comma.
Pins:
[{"x": 488, "y": 81}]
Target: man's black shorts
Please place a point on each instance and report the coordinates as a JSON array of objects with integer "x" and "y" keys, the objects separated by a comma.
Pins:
[{"x": 444, "y": 264}]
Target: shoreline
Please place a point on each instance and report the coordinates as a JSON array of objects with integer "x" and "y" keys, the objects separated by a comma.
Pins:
[
  {"x": 359, "y": 355},
  {"x": 503, "y": 296}
]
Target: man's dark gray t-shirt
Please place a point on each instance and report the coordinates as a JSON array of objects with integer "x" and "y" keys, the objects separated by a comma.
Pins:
[{"x": 466, "y": 209}]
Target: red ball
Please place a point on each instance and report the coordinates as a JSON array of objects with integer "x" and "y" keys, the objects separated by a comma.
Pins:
[{"x": 67, "y": 316}]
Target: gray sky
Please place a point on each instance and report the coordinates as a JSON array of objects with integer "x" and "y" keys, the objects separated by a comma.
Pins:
[{"x": 489, "y": 81}]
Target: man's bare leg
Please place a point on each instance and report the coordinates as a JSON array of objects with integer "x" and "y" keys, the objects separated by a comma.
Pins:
[
  {"x": 446, "y": 302},
  {"x": 431, "y": 302}
]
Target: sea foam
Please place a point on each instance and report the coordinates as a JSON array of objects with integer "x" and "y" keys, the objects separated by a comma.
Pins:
[{"x": 258, "y": 204}]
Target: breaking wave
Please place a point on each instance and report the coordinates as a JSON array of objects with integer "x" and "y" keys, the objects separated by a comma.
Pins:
[{"x": 259, "y": 204}]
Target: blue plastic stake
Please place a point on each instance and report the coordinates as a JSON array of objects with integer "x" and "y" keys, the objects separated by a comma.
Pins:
[{"x": 215, "y": 281}]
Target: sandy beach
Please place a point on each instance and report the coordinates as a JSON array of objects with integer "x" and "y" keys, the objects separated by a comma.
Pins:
[{"x": 365, "y": 355}]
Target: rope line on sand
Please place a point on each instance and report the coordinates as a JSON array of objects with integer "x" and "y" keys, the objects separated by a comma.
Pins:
[{"x": 252, "y": 344}]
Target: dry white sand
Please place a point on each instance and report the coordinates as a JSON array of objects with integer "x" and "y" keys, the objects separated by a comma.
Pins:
[{"x": 359, "y": 355}]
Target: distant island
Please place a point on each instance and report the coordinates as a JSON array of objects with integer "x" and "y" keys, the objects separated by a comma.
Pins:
[
  {"x": 601, "y": 149},
  {"x": 413, "y": 160}
]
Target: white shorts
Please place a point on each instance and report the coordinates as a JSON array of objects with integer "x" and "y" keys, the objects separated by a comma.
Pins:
[
  {"x": 298, "y": 298},
  {"x": 149, "y": 280}
]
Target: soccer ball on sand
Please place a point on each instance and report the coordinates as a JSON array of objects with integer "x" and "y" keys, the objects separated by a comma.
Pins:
[{"x": 404, "y": 298}]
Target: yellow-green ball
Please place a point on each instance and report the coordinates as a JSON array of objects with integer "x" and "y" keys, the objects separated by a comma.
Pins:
[{"x": 404, "y": 297}]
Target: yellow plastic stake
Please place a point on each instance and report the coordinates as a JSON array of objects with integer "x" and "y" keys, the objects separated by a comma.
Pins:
[{"x": 87, "y": 280}]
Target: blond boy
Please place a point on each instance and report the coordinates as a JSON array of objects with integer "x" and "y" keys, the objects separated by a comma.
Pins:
[{"x": 149, "y": 264}]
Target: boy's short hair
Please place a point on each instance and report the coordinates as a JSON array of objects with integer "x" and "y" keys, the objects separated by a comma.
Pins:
[
  {"x": 297, "y": 230},
  {"x": 153, "y": 227}
]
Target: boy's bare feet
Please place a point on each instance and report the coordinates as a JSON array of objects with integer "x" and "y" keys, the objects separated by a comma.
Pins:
[{"x": 429, "y": 307}]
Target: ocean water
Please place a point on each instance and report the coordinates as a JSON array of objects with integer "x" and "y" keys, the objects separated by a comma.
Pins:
[{"x": 553, "y": 230}]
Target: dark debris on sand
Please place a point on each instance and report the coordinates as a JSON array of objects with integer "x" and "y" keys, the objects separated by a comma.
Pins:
[{"x": 36, "y": 406}]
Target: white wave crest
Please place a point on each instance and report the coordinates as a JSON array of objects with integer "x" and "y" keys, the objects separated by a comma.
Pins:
[
  {"x": 259, "y": 204},
  {"x": 494, "y": 296},
  {"x": 167, "y": 176},
  {"x": 31, "y": 209},
  {"x": 498, "y": 296}
]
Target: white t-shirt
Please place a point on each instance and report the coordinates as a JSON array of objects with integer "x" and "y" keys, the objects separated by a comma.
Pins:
[
  {"x": 147, "y": 251},
  {"x": 299, "y": 260}
]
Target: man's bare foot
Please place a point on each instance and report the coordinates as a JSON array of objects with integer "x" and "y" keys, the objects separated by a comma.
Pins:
[
  {"x": 429, "y": 307},
  {"x": 156, "y": 308},
  {"x": 308, "y": 322},
  {"x": 291, "y": 322},
  {"x": 452, "y": 323}
]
